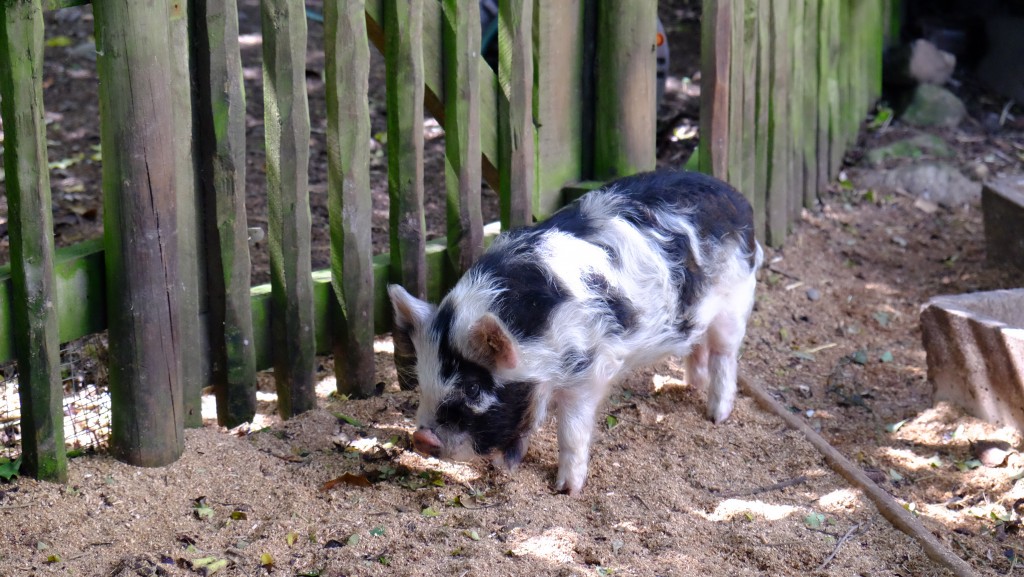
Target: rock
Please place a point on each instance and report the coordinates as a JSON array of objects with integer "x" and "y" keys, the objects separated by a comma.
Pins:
[
  {"x": 934, "y": 106},
  {"x": 1002, "y": 203},
  {"x": 932, "y": 181},
  {"x": 813, "y": 294},
  {"x": 913, "y": 148},
  {"x": 991, "y": 453},
  {"x": 919, "y": 62},
  {"x": 929, "y": 65}
]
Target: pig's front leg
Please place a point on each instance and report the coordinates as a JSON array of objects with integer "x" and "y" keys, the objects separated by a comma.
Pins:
[{"x": 576, "y": 411}]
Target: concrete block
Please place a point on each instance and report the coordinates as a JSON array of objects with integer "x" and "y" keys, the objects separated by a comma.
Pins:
[
  {"x": 975, "y": 348},
  {"x": 1002, "y": 202}
]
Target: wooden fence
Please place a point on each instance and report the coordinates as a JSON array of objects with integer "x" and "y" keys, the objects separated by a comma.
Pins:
[
  {"x": 786, "y": 83},
  {"x": 572, "y": 103},
  {"x": 785, "y": 87}
]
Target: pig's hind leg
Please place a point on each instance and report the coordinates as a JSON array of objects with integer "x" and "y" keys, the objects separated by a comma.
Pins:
[{"x": 723, "y": 340}]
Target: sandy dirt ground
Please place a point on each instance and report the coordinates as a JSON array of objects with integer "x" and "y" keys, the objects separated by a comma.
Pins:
[{"x": 834, "y": 336}]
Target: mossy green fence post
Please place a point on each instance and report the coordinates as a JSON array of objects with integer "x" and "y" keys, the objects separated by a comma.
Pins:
[
  {"x": 220, "y": 114},
  {"x": 348, "y": 194},
  {"x": 286, "y": 122},
  {"x": 32, "y": 254}
]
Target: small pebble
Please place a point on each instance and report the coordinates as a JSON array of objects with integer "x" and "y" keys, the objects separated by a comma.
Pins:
[{"x": 813, "y": 294}]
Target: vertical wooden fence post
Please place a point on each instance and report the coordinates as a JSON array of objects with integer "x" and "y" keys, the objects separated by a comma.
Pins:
[
  {"x": 762, "y": 103},
  {"x": 221, "y": 119},
  {"x": 191, "y": 258},
  {"x": 140, "y": 220},
  {"x": 716, "y": 44},
  {"x": 558, "y": 110},
  {"x": 461, "y": 48},
  {"x": 515, "y": 111},
  {"x": 348, "y": 193},
  {"x": 625, "y": 93},
  {"x": 781, "y": 158},
  {"x": 403, "y": 30},
  {"x": 286, "y": 112},
  {"x": 31, "y": 224}
]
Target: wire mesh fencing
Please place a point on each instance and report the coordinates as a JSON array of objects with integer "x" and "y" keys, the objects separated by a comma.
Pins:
[{"x": 86, "y": 398}]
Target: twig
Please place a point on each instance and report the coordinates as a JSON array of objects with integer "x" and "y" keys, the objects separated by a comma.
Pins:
[
  {"x": 766, "y": 489},
  {"x": 853, "y": 530},
  {"x": 9, "y": 507},
  {"x": 887, "y": 506},
  {"x": 783, "y": 273}
]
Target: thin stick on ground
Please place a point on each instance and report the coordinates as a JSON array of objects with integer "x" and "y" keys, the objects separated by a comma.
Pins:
[
  {"x": 766, "y": 489},
  {"x": 887, "y": 506},
  {"x": 855, "y": 530}
]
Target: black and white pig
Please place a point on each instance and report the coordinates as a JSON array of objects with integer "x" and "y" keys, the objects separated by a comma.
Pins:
[{"x": 552, "y": 315}]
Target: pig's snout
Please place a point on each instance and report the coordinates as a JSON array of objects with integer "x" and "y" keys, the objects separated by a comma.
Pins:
[{"x": 426, "y": 442}]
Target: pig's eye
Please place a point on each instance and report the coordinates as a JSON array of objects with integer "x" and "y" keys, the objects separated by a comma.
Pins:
[{"x": 472, "y": 391}]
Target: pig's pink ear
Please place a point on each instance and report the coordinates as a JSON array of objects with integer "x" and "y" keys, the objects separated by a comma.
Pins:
[
  {"x": 491, "y": 345},
  {"x": 410, "y": 312}
]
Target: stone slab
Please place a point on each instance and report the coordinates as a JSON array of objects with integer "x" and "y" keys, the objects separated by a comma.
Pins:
[
  {"x": 1002, "y": 202},
  {"x": 975, "y": 349}
]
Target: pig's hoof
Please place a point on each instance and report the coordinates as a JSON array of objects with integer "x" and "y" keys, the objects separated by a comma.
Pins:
[
  {"x": 573, "y": 488},
  {"x": 718, "y": 413}
]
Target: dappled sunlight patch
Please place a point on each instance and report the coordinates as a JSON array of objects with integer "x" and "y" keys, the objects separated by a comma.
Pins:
[
  {"x": 555, "y": 545},
  {"x": 661, "y": 381},
  {"x": 456, "y": 471},
  {"x": 731, "y": 508},
  {"x": 840, "y": 500},
  {"x": 947, "y": 426}
]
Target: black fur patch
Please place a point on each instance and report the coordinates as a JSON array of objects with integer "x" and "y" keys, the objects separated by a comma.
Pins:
[
  {"x": 530, "y": 295},
  {"x": 718, "y": 212},
  {"x": 619, "y": 307},
  {"x": 576, "y": 361},
  {"x": 504, "y": 424}
]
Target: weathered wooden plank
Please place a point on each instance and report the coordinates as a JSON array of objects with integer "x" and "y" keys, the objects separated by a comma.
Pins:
[
  {"x": 461, "y": 47},
  {"x": 30, "y": 219},
  {"x": 58, "y": 4},
  {"x": 625, "y": 90},
  {"x": 220, "y": 118},
  {"x": 195, "y": 362},
  {"x": 762, "y": 131},
  {"x": 403, "y": 29},
  {"x": 140, "y": 220},
  {"x": 837, "y": 144},
  {"x": 809, "y": 137},
  {"x": 515, "y": 112},
  {"x": 779, "y": 123},
  {"x": 737, "y": 55},
  {"x": 748, "y": 118},
  {"x": 433, "y": 79},
  {"x": 716, "y": 42},
  {"x": 348, "y": 194},
  {"x": 795, "y": 52},
  {"x": 558, "y": 57},
  {"x": 286, "y": 112}
]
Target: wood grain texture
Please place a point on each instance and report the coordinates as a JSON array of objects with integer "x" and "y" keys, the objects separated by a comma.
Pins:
[
  {"x": 716, "y": 46},
  {"x": 433, "y": 79},
  {"x": 403, "y": 29},
  {"x": 195, "y": 361},
  {"x": 349, "y": 201},
  {"x": 558, "y": 90},
  {"x": 515, "y": 110},
  {"x": 140, "y": 230},
  {"x": 780, "y": 153},
  {"x": 286, "y": 121},
  {"x": 737, "y": 54},
  {"x": 625, "y": 92},
  {"x": 808, "y": 144},
  {"x": 763, "y": 114},
  {"x": 461, "y": 48},
  {"x": 220, "y": 118},
  {"x": 30, "y": 219}
]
